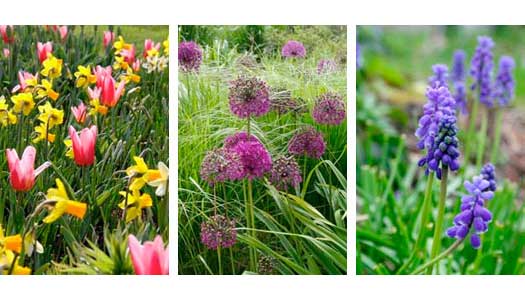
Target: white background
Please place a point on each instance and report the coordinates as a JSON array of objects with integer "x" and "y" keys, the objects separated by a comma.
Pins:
[{"x": 327, "y": 12}]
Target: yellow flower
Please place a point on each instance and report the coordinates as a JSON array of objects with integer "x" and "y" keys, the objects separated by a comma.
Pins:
[
  {"x": 23, "y": 103},
  {"x": 69, "y": 146},
  {"x": 135, "y": 203},
  {"x": 63, "y": 205},
  {"x": 12, "y": 242},
  {"x": 159, "y": 179},
  {"x": 43, "y": 134},
  {"x": 6, "y": 116},
  {"x": 96, "y": 107},
  {"x": 121, "y": 44},
  {"x": 84, "y": 77},
  {"x": 139, "y": 168},
  {"x": 120, "y": 63},
  {"x": 130, "y": 76},
  {"x": 166, "y": 45},
  {"x": 49, "y": 115},
  {"x": 45, "y": 89},
  {"x": 52, "y": 67},
  {"x": 6, "y": 260}
]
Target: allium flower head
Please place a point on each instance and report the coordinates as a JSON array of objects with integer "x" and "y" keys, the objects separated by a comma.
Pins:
[
  {"x": 249, "y": 96},
  {"x": 481, "y": 69},
  {"x": 218, "y": 231},
  {"x": 190, "y": 56},
  {"x": 285, "y": 172},
  {"x": 220, "y": 165},
  {"x": 440, "y": 76},
  {"x": 325, "y": 66},
  {"x": 307, "y": 142},
  {"x": 444, "y": 152},
  {"x": 473, "y": 216},
  {"x": 440, "y": 104},
  {"x": 504, "y": 85},
  {"x": 329, "y": 109},
  {"x": 458, "y": 66},
  {"x": 255, "y": 159},
  {"x": 488, "y": 172},
  {"x": 293, "y": 49}
]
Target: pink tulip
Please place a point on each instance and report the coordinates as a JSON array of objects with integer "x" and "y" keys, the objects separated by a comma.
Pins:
[
  {"x": 101, "y": 73},
  {"x": 23, "y": 76},
  {"x": 43, "y": 50},
  {"x": 63, "y": 32},
  {"x": 109, "y": 95},
  {"x": 22, "y": 171},
  {"x": 84, "y": 145},
  {"x": 5, "y": 35},
  {"x": 148, "y": 45},
  {"x": 136, "y": 65},
  {"x": 79, "y": 112},
  {"x": 149, "y": 259},
  {"x": 7, "y": 52},
  {"x": 109, "y": 36},
  {"x": 94, "y": 93},
  {"x": 128, "y": 54}
]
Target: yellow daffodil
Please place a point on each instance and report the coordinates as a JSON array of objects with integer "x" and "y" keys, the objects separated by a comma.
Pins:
[
  {"x": 23, "y": 102},
  {"x": 6, "y": 261},
  {"x": 43, "y": 134},
  {"x": 166, "y": 45},
  {"x": 135, "y": 203},
  {"x": 52, "y": 67},
  {"x": 130, "y": 76},
  {"x": 159, "y": 179},
  {"x": 6, "y": 116},
  {"x": 45, "y": 89},
  {"x": 120, "y": 63},
  {"x": 50, "y": 116},
  {"x": 69, "y": 146},
  {"x": 97, "y": 108},
  {"x": 120, "y": 44},
  {"x": 84, "y": 77},
  {"x": 152, "y": 52},
  {"x": 62, "y": 204},
  {"x": 139, "y": 172},
  {"x": 12, "y": 242}
]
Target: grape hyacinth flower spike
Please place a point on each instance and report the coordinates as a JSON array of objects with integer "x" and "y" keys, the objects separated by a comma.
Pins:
[
  {"x": 481, "y": 69},
  {"x": 504, "y": 85},
  {"x": 440, "y": 76},
  {"x": 458, "y": 81}
]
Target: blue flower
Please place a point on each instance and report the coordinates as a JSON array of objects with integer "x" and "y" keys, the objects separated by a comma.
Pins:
[
  {"x": 440, "y": 76},
  {"x": 504, "y": 85},
  {"x": 481, "y": 68}
]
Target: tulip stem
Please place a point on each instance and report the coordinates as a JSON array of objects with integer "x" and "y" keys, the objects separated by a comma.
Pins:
[
  {"x": 431, "y": 263},
  {"x": 438, "y": 230}
]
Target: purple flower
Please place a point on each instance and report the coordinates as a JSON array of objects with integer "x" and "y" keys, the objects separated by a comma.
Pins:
[
  {"x": 255, "y": 159},
  {"x": 285, "y": 172},
  {"x": 473, "y": 216},
  {"x": 220, "y": 165},
  {"x": 458, "y": 66},
  {"x": 218, "y": 231},
  {"x": 460, "y": 96},
  {"x": 357, "y": 55},
  {"x": 444, "y": 152},
  {"x": 440, "y": 104},
  {"x": 504, "y": 85},
  {"x": 293, "y": 49},
  {"x": 326, "y": 66},
  {"x": 481, "y": 68},
  {"x": 249, "y": 96},
  {"x": 307, "y": 142},
  {"x": 488, "y": 172},
  {"x": 190, "y": 56},
  {"x": 440, "y": 76},
  {"x": 329, "y": 109}
]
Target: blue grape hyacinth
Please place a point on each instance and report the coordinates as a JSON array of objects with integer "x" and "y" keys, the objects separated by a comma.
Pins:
[
  {"x": 504, "y": 85},
  {"x": 440, "y": 76},
  {"x": 474, "y": 216},
  {"x": 488, "y": 172},
  {"x": 481, "y": 69},
  {"x": 458, "y": 81}
]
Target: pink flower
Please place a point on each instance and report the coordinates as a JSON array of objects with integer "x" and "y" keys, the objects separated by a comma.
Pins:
[
  {"x": 79, "y": 112},
  {"x": 136, "y": 65},
  {"x": 149, "y": 45},
  {"x": 22, "y": 172},
  {"x": 109, "y": 95},
  {"x": 101, "y": 73},
  {"x": 23, "y": 77},
  {"x": 5, "y": 35},
  {"x": 7, "y": 52},
  {"x": 109, "y": 36},
  {"x": 84, "y": 145},
  {"x": 94, "y": 93},
  {"x": 43, "y": 50},
  {"x": 128, "y": 54},
  {"x": 149, "y": 259},
  {"x": 63, "y": 32}
]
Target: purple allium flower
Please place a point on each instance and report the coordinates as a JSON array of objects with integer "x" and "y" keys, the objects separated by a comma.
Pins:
[
  {"x": 220, "y": 165},
  {"x": 440, "y": 104},
  {"x": 190, "y": 56},
  {"x": 444, "y": 152},
  {"x": 481, "y": 69},
  {"x": 326, "y": 66},
  {"x": 488, "y": 172},
  {"x": 249, "y": 96},
  {"x": 329, "y": 109},
  {"x": 255, "y": 159},
  {"x": 293, "y": 49},
  {"x": 285, "y": 172},
  {"x": 473, "y": 213},
  {"x": 307, "y": 142},
  {"x": 440, "y": 76},
  {"x": 218, "y": 231},
  {"x": 504, "y": 85},
  {"x": 458, "y": 66}
]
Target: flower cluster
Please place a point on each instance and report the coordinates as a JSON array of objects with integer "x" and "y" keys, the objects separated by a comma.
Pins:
[
  {"x": 285, "y": 171},
  {"x": 329, "y": 109},
  {"x": 325, "y": 66},
  {"x": 9, "y": 245},
  {"x": 488, "y": 172},
  {"x": 458, "y": 81},
  {"x": 218, "y": 231},
  {"x": 255, "y": 159},
  {"x": 307, "y": 142},
  {"x": 293, "y": 49},
  {"x": 249, "y": 96},
  {"x": 282, "y": 102},
  {"x": 504, "y": 85},
  {"x": 190, "y": 56},
  {"x": 473, "y": 216},
  {"x": 481, "y": 68},
  {"x": 220, "y": 165},
  {"x": 49, "y": 117},
  {"x": 440, "y": 76},
  {"x": 154, "y": 60}
]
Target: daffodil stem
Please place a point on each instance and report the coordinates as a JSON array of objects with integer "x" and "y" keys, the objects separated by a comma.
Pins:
[
  {"x": 438, "y": 230},
  {"x": 432, "y": 262}
]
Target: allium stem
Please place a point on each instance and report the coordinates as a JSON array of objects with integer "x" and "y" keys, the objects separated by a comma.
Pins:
[
  {"x": 253, "y": 254},
  {"x": 497, "y": 136},
  {"x": 219, "y": 259},
  {"x": 482, "y": 138},
  {"x": 445, "y": 253},
  {"x": 438, "y": 230}
]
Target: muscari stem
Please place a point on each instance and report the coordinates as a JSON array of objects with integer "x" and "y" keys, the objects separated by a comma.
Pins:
[
  {"x": 497, "y": 136},
  {"x": 433, "y": 261},
  {"x": 482, "y": 139},
  {"x": 438, "y": 231},
  {"x": 472, "y": 125}
]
